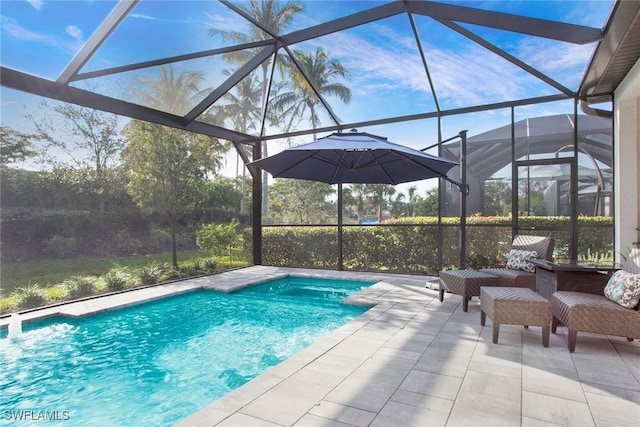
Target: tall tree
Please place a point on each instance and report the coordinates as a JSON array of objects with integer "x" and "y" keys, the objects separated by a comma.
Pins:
[
  {"x": 381, "y": 194},
  {"x": 168, "y": 168},
  {"x": 297, "y": 201},
  {"x": 15, "y": 146},
  {"x": 429, "y": 205},
  {"x": 84, "y": 145},
  {"x": 497, "y": 197},
  {"x": 360, "y": 196},
  {"x": 300, "y": 98},
  {"x": 412, "y": 200},
  {"x": 243, "y": 109},
  {"x": 169, "y": 92},
  {"x": 275, "y": 16}
]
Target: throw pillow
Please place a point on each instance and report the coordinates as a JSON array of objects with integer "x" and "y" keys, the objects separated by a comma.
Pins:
[
  {"x": 623, "y": 288},
  {"x": 518, "y": 260}
]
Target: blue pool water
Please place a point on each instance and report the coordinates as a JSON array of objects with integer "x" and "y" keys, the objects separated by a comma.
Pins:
[{"x": 157, "y": 363}]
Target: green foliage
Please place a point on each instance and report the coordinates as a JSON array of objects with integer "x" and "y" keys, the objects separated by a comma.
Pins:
[
  {"x": 218, "y": 237},
  {"x": 56, "y": 293},
  {"x": 167, "y": 170},
  {"x": 80, "y": 286},
  {"x": 15, "y": 146},
  {"x": 429, "y": 205},
  {"x": 117, "y": 279},
  {"x": 9, "y": 304},
  {"x": 150, "y": 274},
  {"x": 224, "y": 193},
  {"x": 411, "y": 244},
  {"x": 294, "y": 201},
  {"x": 30, "y": 296},
  {"x": 199, "y": 267}
]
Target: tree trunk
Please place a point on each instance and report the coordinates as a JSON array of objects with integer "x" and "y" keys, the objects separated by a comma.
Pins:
[{"x": 174, "y": 252}]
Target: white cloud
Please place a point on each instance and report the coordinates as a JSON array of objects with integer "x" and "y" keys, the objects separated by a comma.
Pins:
[
  {"x": 74, "y": 32},
  {"x": 37, "y": 4},
  {"x": 15, "y": 30},
  {"x": 230, "y": 23},
  {"x": 141, "y": 16},
  {"x": 461, "y": 77}
]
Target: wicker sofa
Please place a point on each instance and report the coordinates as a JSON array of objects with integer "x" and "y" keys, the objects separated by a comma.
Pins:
[
  {"x": 519, "y": 278},
  {"x": 582, "y": 312}
]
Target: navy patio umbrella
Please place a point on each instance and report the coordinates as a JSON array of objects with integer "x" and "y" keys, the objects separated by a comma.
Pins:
[{"x": 355, "y": 158}]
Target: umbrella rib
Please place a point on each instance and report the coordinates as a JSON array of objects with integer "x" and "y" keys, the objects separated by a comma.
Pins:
[
  {"x": 438, "y": 174},
  {"x": 376, "y": 160}
]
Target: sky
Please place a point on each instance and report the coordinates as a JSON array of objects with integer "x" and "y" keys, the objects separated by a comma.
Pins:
[{"x": 386, "y": 74}]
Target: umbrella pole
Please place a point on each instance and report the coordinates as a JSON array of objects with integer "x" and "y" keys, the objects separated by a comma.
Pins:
[
  {"x": 340, "y": 266},
  {"x": 463, "y": 199}
]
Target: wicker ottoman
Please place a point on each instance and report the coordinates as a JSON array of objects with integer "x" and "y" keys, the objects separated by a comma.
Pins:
[
  {"x": 515, "y": 306},
  {"x": 466, "y": 283}
]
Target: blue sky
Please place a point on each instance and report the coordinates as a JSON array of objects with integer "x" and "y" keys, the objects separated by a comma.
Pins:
[{"x": 386, "y": 74}]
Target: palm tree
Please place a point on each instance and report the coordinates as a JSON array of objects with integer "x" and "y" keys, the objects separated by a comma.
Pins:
[
  {"x": 413, "y": 194},
  {"x": 360, "y": 193},
  {"x": 300, "y": 97},
  {"x": 380, "y": 197},
  {"x": 275, "y": 16},
  {"x": 243, "y": 107},
  {"x": 170, "y": 92}
]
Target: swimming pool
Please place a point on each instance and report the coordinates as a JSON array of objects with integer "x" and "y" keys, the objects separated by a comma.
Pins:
[{"x": 158, "y": 362}]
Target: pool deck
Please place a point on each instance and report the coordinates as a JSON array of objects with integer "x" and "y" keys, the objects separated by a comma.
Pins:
[{"x": 414, "y": 361}]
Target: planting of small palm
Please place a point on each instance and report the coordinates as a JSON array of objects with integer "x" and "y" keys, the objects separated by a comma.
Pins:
[
  {"x": 31, "y": 296},
  {"x": 118, "y": 279},
  {"x": 80, "y": 286},
  {"x": 115, "y": 280},
  {"x": 150, "y": 274}
]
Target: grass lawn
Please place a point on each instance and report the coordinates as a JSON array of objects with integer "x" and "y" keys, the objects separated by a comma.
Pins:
[{"x": 14, "y": 275}]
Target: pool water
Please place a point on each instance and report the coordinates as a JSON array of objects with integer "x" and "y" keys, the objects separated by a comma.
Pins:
[{"x": 159, "y": 362}]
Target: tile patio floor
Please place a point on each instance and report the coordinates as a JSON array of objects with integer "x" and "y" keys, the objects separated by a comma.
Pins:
[{"x": 413, "y": 361}]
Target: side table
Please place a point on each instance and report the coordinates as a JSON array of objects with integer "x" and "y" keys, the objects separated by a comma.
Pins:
[{"x": 552, "y": 277}]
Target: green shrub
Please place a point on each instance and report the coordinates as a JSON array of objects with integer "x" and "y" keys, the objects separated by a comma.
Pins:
[
  {"x": 150, "y": 274},
  {"x": 171, "y": 273},
  {"x": 56, "y": 293},
  {"x": 80, "y": 286},
  {"x": 30, "y": 296},
  {"x": 117, "y": 279},
  {"x": 208, "y": 265},
  {"x": 9, "y": 304},
  {"x": 413, "y": 245}
]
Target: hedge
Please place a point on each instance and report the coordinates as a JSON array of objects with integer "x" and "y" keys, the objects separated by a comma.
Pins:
[{"x": 411, "y": 244}]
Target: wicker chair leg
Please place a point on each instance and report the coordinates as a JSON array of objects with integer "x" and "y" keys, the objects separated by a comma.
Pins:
[
  {"x": 441, "y": 292},
  {"x": 465, "y": 304},
  {"x": 629, "y": 339},
  {"x": 483, "y": 317},
  {"x": 554, "y": 324},
  {"x": 573, "y": 336},
  {"x": 496, "y": 331}
]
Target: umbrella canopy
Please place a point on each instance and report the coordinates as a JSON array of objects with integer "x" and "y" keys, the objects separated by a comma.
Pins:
[{"x": 355, "y": 157}]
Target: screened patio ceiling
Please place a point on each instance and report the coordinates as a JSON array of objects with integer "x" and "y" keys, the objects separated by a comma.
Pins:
[{"x": 402, "y": 60}]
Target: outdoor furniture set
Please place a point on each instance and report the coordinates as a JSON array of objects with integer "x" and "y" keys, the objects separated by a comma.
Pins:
[{"x": 508, "y": 296}]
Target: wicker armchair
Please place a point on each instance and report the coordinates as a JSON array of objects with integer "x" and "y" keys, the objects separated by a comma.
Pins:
[
  {"x": 582, "y": 312},
  {"x": 523, "y": 279}
]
